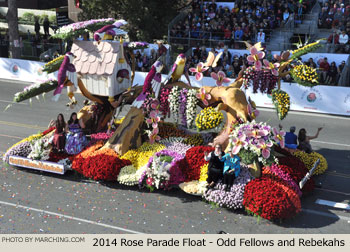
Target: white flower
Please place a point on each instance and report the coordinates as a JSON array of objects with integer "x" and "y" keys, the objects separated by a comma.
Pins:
[
  {"x": 174, "y": 102},
  {"x": 191, "y": 107}
]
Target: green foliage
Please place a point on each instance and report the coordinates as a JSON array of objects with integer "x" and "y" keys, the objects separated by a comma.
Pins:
[
  {"x": 147, "y": 20},
  {"x": 28, "y": 16},
  {"x": 166, "y": 159},
  {"x": 247, "y": 157}
]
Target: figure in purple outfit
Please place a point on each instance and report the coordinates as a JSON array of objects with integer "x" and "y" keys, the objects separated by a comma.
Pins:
[
  {"x": 152, "y": 82},
  {"x": 76, "y": 140}
]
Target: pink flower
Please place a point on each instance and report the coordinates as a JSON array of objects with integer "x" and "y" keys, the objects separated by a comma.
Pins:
[
  {"x": 238, "y": 143},
  {"x": 272, "y": 67},
  {"x": 220, "y": 78},
  {"x": 203, "y": 96},
  {"x": 279, "y": 136},
  {"x": 154, "y": 119},
  {"x": 155, "y": 105},
  {"x": 255, "y": 57},
  {"x": 154, "y": 136},
  {"x": 256, "y": 133},
  {"x": 265, "y": 148},
  {"x": 254, "y": 113},
  {"x": 199, "y": 70}
]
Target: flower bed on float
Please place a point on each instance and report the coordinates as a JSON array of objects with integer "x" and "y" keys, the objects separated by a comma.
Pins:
[{"x": 176, "y": 161}]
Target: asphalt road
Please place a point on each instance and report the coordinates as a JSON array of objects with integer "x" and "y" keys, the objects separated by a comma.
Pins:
[{"x": 36, "y": 202}]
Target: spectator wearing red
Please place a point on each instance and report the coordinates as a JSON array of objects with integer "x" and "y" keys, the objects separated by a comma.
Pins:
[{"x": 324, "y": 66}]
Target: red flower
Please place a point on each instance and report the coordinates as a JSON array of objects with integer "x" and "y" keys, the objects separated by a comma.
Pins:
[
  {"x": 278, "y": 202},
  {"x": 193, "y": 161},
  {"x": 48, "y": 130}
]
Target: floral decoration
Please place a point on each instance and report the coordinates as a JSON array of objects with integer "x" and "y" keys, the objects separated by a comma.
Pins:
[
  {"x": 191, "y": 107},
  {"x": 203, "y": 96},
  {"x": 220, "y": 78},
  {"x": 35, "y": 90},
  {"x": 174, "y": 102},
  {"x": 310, "y": 159},
  {"x": 305, "y": 75},
  {"x": 233, "y": 198},
  {"x": 183, "y": 106},
  {"x": 255, "y": 137},
  {"x": 279, "y": 173},
  {"x": 194, "y": 159},
  {"x": 200, "y": 68},
  {"x": 255, "y": 57},
  {"x": 281, "y": 101},
  {"x": 278, "y": 202},
  {"x": 209, "y": 118},
  {"x": 164, "y": 101}
]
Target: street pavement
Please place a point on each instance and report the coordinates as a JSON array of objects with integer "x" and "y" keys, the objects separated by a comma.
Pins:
[{"x": 38, "y": 202}]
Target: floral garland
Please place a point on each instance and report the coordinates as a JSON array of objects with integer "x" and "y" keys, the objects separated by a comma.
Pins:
[
  {"x": 310, "y": 159},
  {"x": 164, "y": 101},
  {"x": 73, "y": 30},
  {"x": 233, "y": 198},
  {"x": 209, "y": 118},
  {"x": 183, "y": 105},
  {"x": 193, "y": 161},
  {"x": 278, "y": 202},
  {"x": 56, "y": 157},
  {"x": 35, "y": 90},
  {"x": 276, "y": 171},
  {"x": 281, "y": 100},
  {"x": 174, "y": 103},
  {"x": 191, "y": 107},
  {"x": 139, "y": 157},
  {"x": 53, "y": 65}
]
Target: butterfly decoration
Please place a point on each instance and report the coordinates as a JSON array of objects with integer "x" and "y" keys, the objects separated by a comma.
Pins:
[{"x": 212, "y": 61}]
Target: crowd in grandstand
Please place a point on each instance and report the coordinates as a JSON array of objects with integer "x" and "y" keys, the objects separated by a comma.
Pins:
[
  {"x": 231, "y": 65},
  {"x": 249, "y": 20}
]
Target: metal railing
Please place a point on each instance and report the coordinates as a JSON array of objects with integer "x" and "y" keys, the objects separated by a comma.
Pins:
[{"x": 41, "y": 51}]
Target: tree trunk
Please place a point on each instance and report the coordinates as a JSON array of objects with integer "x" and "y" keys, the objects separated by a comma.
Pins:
[{"x": 12, "y": 20}]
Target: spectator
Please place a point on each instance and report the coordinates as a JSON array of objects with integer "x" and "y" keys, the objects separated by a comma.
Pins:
[
  {"x": 311, "y": 63},
  {"x": 343, "y": 41},
  {"x": 285, "y": 16},
  {"x": 46, "y": 25},
  {"x": 339, "y": 71},
  {"x": 261, "y": 37},
  {"x": 333, "y": 41},
  {"x": 331, "y": 74},
  {"x": 37, "y": 27},
  {"x": 324, "y": 67}
]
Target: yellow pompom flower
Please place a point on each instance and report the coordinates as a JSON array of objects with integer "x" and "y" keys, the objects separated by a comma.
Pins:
[
  {"x": 208, "y": 118},
  {"x": 310, "y": 159},
  {"x": 204, "y": 172}
]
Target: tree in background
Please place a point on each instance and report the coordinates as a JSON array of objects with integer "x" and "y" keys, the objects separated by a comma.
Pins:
[
  {"x": 12, "y": 20},
  {"x": 147, "y": 19}
]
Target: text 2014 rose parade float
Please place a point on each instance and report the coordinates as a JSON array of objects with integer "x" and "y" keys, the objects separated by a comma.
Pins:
[{"x": 145, "y": 151}]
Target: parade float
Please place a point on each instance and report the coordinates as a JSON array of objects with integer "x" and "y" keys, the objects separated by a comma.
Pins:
[{"x": 147, "y": 150}]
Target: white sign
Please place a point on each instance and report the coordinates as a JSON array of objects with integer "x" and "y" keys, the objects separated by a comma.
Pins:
[
  {"x": 23, "y": 70},
  {"x": 36, "y": 164}
]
